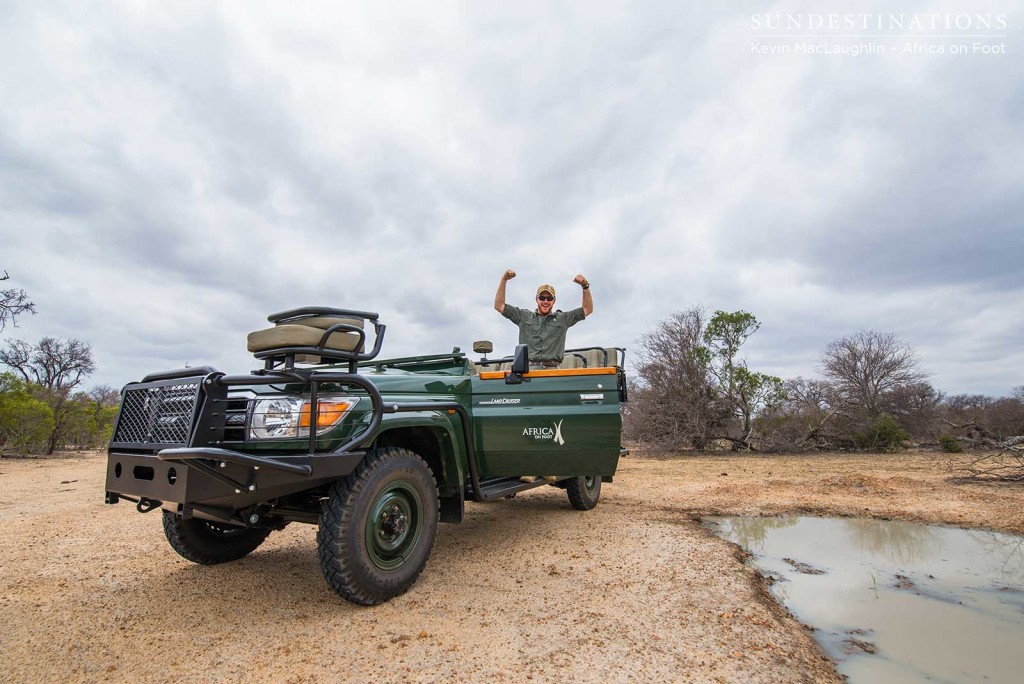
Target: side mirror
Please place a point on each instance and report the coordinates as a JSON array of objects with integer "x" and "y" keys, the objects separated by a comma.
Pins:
[{"x": 520, "y": 365}]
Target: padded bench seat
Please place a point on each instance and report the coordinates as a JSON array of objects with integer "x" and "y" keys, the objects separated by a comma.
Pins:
[{"x": 306, "y": 332}]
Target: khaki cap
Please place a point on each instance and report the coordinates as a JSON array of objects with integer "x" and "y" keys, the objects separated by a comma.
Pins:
[{"x": 545, "y": 287}]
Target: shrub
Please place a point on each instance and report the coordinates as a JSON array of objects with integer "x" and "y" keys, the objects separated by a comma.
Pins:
[
  {"x": 884, "y": 434},
  {"x": 25, "y": 423},
  {"x": 950, "y": 444}
]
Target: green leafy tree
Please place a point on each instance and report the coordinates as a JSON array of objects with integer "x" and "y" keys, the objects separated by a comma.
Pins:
[
  {"x": 90, "y": 417},
  {"x": 743, "y": 393},
  {"x": 103, "y": 402},
  {"x": 25, "y": 422}
]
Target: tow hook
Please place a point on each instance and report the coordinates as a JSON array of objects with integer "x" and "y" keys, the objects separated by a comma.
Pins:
[{"x": 146, "y": 505}]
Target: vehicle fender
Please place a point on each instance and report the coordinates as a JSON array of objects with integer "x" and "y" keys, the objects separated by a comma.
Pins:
[{"x": 436, "y": 436}]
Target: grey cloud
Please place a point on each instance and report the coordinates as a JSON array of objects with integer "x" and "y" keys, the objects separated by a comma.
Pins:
[{"x": 169, "y": 179}]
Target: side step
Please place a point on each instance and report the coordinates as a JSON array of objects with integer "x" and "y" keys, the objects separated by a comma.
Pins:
[{"x": 504, "y": 486}]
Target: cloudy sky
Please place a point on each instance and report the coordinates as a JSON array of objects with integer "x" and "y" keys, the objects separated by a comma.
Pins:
[{"x": 171, "y": 173}]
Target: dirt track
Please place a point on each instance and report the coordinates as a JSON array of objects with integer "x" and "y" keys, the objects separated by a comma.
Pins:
[{"x": 633, "y": 590}]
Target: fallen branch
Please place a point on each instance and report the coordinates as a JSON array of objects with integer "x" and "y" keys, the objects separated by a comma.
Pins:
[
  {"x": 979, "y": 435},
  {"x": 1005, "y": 466}
]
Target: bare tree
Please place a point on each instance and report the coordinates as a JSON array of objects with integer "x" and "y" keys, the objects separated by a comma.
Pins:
[
  {"x": 52, "y": 363},
  {"x": 806, "y": 416},
  {"x": 13, "y": 303},
  {"x": 979, "y": 420},
  {"x": 672, "y": 402},
  {"x": 916, "y": 407},
  {"x": 104, "y": 396},
  {"x": 816, "y": 395},
  {"x": 869, "y": 365},
  {"x": 56, "y": 368}
]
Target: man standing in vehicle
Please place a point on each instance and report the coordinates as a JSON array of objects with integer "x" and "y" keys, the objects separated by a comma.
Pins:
[{"x": 543, "y": 329}]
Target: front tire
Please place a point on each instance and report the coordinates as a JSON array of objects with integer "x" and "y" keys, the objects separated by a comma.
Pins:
[
  {"x": 210, "y": 543},
  {"x": 584, "y": 492},
  {"x": 377, "y": 527}
]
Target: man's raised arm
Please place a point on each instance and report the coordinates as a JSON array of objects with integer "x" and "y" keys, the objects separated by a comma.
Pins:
[
  {"x": 588, "y": 299},
  {"x": 499, "y": 296}
]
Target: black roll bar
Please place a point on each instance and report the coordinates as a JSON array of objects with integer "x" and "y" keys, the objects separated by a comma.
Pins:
[
  {"x": 321, "y": 311},
  {"x": 177, "y": 373}
]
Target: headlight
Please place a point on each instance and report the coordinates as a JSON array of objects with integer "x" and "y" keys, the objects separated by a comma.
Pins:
[{"x": 288, "y": 417}]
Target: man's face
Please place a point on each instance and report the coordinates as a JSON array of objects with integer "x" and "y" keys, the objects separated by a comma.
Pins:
[{"x": 545, "y": 302}]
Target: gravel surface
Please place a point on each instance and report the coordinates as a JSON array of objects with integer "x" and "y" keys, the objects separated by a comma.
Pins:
[{"x": 635, "y": 590}]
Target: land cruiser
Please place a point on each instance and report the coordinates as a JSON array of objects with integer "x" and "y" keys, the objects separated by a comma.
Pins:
[{"x": 375, "y": 452}]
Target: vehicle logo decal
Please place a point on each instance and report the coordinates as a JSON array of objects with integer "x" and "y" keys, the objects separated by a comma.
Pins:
[
  {"x": 553, "y": 433},
  {"x": 500, "y": 400}
]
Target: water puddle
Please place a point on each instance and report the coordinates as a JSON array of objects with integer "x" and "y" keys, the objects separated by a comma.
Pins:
[{"x": 894, "y": 601}]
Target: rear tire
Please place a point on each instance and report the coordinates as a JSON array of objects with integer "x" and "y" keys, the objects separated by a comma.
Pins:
[
  {"x": 584, "y": 492},
  {"x": 210, "y": 543},
  {"x": 377, "y": 527}
]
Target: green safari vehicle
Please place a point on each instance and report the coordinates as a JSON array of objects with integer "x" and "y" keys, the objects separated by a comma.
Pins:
[{"x": 375, "y": 452}]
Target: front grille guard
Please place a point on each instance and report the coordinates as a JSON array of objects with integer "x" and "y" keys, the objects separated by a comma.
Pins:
[
  {"x": 157, "y": 413},
  {"x": 180, "y": 418}
]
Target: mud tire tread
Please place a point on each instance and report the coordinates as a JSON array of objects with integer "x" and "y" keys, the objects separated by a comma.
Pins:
[
  {"x": 338, "y": 521},
  {"x": 579, "y": 497}
]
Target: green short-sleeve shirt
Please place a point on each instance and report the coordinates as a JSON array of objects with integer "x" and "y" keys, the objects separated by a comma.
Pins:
[{"x": 544, "y": 335}]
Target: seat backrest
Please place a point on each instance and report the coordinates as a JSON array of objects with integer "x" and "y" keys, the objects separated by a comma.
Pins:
[
  {"x": 571, "y": 361},
  {"x": 596, "y": 358},
  {"x": 324, "y": 322}
]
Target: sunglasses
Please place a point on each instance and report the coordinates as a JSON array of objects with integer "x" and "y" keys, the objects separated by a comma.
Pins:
[{"x": 545, "y": 298}]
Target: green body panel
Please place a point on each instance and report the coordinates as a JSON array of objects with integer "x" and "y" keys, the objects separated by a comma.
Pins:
[{"x": 568, "y": 425}]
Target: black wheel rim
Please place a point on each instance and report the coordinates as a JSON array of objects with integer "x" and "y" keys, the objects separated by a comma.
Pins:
[
  {"x": 395, "y": 525},
  {"x": 224, "y": 530}
]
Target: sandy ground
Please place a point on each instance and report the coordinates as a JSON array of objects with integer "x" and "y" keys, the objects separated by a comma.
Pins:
[{"x": 635, "y": 590}]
